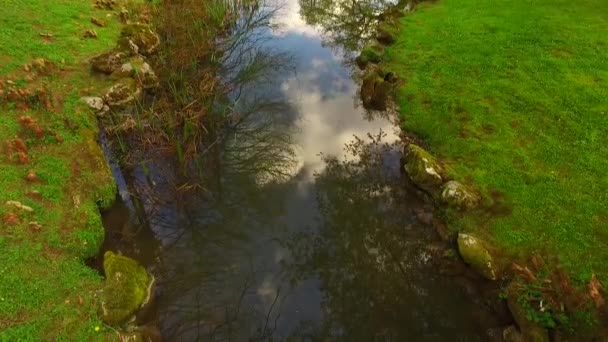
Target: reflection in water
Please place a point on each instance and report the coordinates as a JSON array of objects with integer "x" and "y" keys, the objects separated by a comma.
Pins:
[
  {"x": 346, "y": 24},
  {"x": 271, "y": 241},
  {"x": 376, "y": 265}
]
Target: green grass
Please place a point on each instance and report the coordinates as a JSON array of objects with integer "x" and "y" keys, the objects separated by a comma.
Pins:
[
  {"x": 22, "y": 22},
  {"x": 46, "y": 290},
  {"x": 513, "y": 97}
]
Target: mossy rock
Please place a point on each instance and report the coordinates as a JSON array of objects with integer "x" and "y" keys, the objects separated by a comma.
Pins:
[
  {"x": 475, "y": 253},
  {"x": 372, "y": 53},
  {"x": 387, "y": 33},
  {"x": 530, "y": 330},
  {"x": 137, "y": 68},
  {"x": 423, "y": 169},
  {"x": 108, "y": 62},
  {"x": 139, "y": 38},
  {"x": 375, "y": 92},
  {"x": 124, "y": 93},
  {"x": 459, "y": 196},
  {"x": 126, "y": 290}
]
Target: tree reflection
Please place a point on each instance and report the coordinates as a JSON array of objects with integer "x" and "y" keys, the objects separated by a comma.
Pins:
[
  {"x": 346, "y": 24},
  {"x": 371, "y": 259}
]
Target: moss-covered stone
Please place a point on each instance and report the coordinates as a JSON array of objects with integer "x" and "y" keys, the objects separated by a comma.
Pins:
[
  {"x": 137, "y": 68},
  {"x": 375, "y": 92},
  {"x": 372, "y": 53},
  {"x": 459, "y": 196},
  {"x": 423, "y": 169},
  {"x": 124, "y": 93},
  {"x": 530, "y": 330},
  {"x": 475, "y": 253},
  {"x": 108, "y": 62},
  {"x": 126, "y": 289},
  {"x": 139, "y": 38},
  {"x": 387, "y": 33}
]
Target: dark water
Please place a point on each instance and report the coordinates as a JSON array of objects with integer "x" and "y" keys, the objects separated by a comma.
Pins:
[{"x": 301, "y": 231}]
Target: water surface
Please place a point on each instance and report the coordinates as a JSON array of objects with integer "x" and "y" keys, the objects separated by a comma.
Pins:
[{"x": 306, "y": 228}]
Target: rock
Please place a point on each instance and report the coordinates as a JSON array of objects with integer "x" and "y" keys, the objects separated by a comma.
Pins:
[
  {"x": 457, "y": 195},
  {"x": 530, "y": 330},
  {"x": 474, "y": 252},
  {"x": 422, "y": 168},
  {"x": 512, "y": 334},
  {"x": 139, "y": 37},
  {"x": 386, "y": 34},
  {"x": 108, "y": 62},
  {"x": 372, "y": 53},
  {"x": 140, "y": 70},
  {"x": 374, "y": 92},
  {"x": 125, "y": 70},
  {"x": 124, "y": 93},
  {"x": 146, "y": 76},
  {"x": 95, "y": 103},
  {"x": 126, "y": 290}
]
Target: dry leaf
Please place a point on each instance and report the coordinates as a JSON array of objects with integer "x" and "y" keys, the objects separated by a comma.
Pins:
[{"x": 595, "y": 289}]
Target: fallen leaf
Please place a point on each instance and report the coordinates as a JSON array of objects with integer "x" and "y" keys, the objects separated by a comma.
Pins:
[
  {"x": 595, "y": 289},
  {"x": 524, "y": 272},
  {"x": 10, "y": 219},
  {"x": 31, "y": 176}
]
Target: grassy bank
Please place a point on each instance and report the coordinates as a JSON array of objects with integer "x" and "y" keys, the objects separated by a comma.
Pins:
[
  {"x": 513, "y": 97},
  {"x": 46, "y": 290}
]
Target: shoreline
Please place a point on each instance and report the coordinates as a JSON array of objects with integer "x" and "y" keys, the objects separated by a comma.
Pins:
[{"x": 389, "y": 74}]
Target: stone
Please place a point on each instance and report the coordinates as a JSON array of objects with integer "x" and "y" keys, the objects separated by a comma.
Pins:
[
  {"x": 512, "y": 334},
  {"x": 127, "y": 288},
  {"x": 386, "y": 34},
  {"x": 530, "y": 330},
  {"x": 372, "y": 53},
  {"x": 140, "y": 70},
  {"x": 459, "y": 196},
  {"x": 94, "y": 102},
  {"x": 474, "y": 252},
  {"x": 146, "y": 76},
  {"x": 124, "y": 93},
  {"x": 375, "y": 92},
  {"x": 125, "y": 70},
  {"x": 140, "y": 37},
  {"x": 422, "y": 168},
  {"x": 108, "y": 62}
]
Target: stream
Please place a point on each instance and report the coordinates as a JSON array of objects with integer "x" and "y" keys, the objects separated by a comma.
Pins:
[{"x": 306, "y": 228}]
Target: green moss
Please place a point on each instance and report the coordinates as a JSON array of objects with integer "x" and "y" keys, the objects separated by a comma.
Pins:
[
  {"x": 423, "y": 169},
  {"x": 475, "y": 253},
  {"x": 126, "y": 289},
  {"x": 372, "y": 53}
]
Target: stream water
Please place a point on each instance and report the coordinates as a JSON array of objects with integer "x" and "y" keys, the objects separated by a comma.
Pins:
[{"x": 318, "y": 238}]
